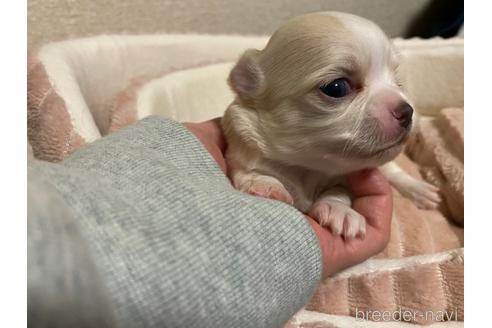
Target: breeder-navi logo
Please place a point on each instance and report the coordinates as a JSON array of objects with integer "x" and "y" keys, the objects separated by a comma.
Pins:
[{"x": 406, "y": 315}]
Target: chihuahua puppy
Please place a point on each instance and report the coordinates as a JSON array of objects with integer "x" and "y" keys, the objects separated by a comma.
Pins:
[{"x": 319, "y": 101}]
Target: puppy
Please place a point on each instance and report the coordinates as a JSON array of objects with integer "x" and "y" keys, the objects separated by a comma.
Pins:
[{"x": 319, "y": 101}]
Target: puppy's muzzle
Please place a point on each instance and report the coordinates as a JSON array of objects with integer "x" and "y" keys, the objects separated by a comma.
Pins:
[{"x": 403, "y": 113}]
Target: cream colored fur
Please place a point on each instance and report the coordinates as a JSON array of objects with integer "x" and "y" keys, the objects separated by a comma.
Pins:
[{"x": 288, "y": 141}]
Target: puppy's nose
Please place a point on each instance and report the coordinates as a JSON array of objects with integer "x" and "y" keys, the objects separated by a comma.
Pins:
[{"x": 403, "y": 113}]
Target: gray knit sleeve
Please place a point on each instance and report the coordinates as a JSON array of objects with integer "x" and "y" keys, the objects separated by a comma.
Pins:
[{"x": 171, "y": 242}]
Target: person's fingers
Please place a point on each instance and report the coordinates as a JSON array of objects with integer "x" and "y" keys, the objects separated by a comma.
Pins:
[
  {"x": 210, "y": 135},
  {"x": 323, "y": 235},
  {"x": 372, "y": 198},
  {"x": 339, "y": 253},
  {"x": 368, "y": 182}
]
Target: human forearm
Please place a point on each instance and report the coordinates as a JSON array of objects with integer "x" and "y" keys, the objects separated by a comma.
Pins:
[{"x": 175, "y": 244}]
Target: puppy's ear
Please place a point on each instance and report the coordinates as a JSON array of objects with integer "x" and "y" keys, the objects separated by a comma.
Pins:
[{"x": 246, "y": 78}]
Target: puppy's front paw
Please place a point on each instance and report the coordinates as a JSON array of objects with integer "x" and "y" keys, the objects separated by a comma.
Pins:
[
  {"x": 340, "y": 218},
  {"x": 267, "y": 187},
  {"x": 423, "y": 194}
]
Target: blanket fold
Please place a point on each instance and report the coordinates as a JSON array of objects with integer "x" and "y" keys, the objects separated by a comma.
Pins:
[{"x": 438, "y": 146}]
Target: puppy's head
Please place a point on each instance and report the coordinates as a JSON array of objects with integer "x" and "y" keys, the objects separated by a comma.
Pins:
[{"x": 324, "y": 89}]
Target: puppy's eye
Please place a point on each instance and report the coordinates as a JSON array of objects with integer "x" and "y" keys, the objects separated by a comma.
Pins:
[{"x": 336, "y": 89}]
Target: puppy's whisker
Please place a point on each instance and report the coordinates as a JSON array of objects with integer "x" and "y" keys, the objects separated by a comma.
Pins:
[{"x": 355, "y": 131}]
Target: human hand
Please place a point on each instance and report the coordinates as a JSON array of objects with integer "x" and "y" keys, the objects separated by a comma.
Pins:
[{"x": 372, "y": 198}]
